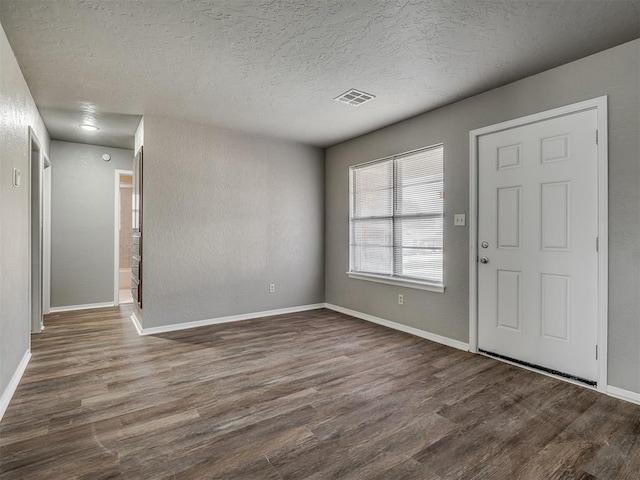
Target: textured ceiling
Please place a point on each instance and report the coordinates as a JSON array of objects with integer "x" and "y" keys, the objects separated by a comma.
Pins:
[
  {"x": 273, "y": 67},
  {"x": 116, "y": 130}
]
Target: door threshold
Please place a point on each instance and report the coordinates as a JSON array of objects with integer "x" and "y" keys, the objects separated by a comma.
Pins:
[{"x": 546, "y": 370}]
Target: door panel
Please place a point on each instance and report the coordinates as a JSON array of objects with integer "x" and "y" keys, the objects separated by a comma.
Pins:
[
  {"x": 555, "y": 306},
  {"x": 509, "y": 217},
  {"x": 509, "y": 299},
  {"x": 538, "y": 212},
  {"x": 555, "y": 215}
]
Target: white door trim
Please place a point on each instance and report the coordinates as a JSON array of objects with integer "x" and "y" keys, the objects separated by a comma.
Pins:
[
  {"x": 600, "y": 105},
  {"x": 116, "y": 235},
  {"x": 46, "y": 236},
  {"x": 33, "y": 140}
]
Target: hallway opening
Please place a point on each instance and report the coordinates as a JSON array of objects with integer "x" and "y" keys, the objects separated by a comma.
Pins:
[{"x": 123, "y": 236}]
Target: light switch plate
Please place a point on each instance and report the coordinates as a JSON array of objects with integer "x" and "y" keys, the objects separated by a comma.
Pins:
[
  {"x": 459, "y": 219},
  {"x": 17, "y": 176}
]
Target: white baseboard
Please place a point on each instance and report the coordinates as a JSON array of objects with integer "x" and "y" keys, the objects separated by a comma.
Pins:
[
  {"x": 215, "y": 321},
  {"x": 88, "y": 306},
  {"x": 7, "y": 395},
  {"x": 622, "y": 394},
  {"x": 136, "y": 323},
  {"x": 403, "y": 328}
]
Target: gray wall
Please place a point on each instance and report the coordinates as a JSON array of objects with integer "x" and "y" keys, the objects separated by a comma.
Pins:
[
  {"x": 614, "y": 72},
  {"x": 82, "y": 222},
  {"x": 18, "y": 112},
  {"x": 225, "y": 214}
]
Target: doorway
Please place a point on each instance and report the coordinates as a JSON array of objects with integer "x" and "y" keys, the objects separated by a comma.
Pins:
[
  {"x": 538, "y": 237},
  {"x": 123, "y": 236},
  {"x": 46, "y": 236},
  {"x": 39, "y": 233}
]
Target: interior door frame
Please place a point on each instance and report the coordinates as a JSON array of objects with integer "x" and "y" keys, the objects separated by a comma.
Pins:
[
  {"x": 46, "y": 234},
  {"x": 116, "y": 235},
  {"x": 600, "y": 105},
  {"x": 35, "y": 325}
]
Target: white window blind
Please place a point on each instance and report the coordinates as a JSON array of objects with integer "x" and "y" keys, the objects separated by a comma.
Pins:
[{"x": 397, "y": 217}]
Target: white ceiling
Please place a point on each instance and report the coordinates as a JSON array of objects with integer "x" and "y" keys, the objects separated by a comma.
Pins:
[{"x": 273, "y": 67}]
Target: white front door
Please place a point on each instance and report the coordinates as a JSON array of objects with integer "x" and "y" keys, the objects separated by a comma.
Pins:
[{"x": 537, "y": 233}]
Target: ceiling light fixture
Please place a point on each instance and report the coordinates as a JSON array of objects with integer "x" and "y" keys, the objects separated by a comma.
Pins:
[
  {"x": 88, "y": 128},
  {"x": 354, "y": 97}
]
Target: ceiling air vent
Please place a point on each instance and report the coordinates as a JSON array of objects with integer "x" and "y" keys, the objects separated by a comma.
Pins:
[{"x": 354, "y": 97}]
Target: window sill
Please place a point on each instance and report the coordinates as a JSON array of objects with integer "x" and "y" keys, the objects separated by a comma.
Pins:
[{"x": 432, "y": 287}]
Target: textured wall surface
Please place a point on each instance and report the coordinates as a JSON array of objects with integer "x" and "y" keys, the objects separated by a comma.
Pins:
[
  {"x": 17, "y": 113},
  {"x": 225, "y": 214},
  {"x": 82, "y": 222},
  {"x": 273, "y": 67},
  {"x": 616, "y": 73}
]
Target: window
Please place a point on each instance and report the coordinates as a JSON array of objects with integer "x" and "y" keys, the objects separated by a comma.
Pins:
[{"x": 396, "y": 219}]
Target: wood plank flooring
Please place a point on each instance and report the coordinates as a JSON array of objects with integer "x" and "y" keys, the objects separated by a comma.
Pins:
[{"x": 315, "y": 395}]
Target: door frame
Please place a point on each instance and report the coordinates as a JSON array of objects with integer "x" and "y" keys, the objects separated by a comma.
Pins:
[
  {"x": 46, "y": 234},
  {"x": 116, "y": 235},
  {"x": 35, "y": 326},
  {"x": 600, "y": 105}
]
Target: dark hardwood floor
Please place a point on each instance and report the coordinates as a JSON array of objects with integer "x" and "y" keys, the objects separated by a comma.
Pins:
[{"x": 315, "y": 395}]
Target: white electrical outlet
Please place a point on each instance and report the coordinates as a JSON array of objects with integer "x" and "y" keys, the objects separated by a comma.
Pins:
[
  {"x": 272, "y": 288},
  {"x": 459, "y": 219},
  {"x": 400, "y": 299}
]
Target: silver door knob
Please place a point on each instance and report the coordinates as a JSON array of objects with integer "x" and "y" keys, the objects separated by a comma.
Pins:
[{"x": 484, "y": 260}]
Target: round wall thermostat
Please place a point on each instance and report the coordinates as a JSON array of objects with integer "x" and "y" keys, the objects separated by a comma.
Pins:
[{"x": 106, "y": 157}]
